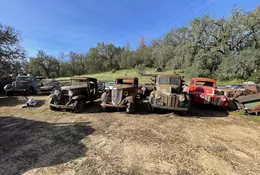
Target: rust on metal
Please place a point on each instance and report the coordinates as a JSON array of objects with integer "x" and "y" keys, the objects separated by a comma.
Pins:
[{"x": 248, "y": 98}]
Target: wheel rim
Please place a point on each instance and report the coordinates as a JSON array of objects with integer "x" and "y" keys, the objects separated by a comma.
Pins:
[{"x": 81, "y": 106}]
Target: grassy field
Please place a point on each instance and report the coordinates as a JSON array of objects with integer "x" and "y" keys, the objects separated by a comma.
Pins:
[{"x": 109, "y": 76}]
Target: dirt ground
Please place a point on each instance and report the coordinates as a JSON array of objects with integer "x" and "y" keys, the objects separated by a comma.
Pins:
[{"x": 40, "y": 141}]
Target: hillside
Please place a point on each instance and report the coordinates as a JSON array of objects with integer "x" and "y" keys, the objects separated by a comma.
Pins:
[{"x": 109, "y": 76}]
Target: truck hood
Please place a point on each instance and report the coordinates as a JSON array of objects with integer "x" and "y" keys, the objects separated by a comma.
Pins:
[
  {"x": 165, "y": 88},
  {"x": 22, "y": 82},
  {"x": 123, "y": 86},
  {"x": 73, "y": 87}
]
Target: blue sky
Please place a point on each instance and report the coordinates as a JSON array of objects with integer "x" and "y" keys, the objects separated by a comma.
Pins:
[{"x": 76, "y": 25}]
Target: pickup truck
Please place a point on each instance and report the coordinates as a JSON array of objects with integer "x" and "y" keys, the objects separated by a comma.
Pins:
[{"x": 204, "y": 91}]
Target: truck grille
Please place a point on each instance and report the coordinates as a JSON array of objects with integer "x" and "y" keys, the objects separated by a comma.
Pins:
[
  {"x": 216, "y": 101},
  {"x": 20, "y": 85},
  {"x": 116, "y": 96},
  {"x": 174, "y": 101}
]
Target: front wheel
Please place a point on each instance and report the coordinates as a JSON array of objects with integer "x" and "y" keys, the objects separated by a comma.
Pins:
[
  {"x": 152, "y": 109},
  {"x": 130, "y": 108},
  {"x": 29, "y": 91},
  {"x": 79, "y": 106},
  {"x": 104, "y": 108},
  {"x": 9, "y": 93},
  {"x": 51, "y": 101}
]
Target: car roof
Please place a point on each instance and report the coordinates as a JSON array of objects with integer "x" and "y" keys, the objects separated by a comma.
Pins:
[
  {"x": 169, "y": 75},
  {"x": 203, "y": 79},
  {"x": 126, "y": 77},
  {"x": 83, "y": 78}
]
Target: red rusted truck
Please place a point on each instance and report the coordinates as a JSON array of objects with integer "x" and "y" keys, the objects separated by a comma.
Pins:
[{"x": 203, "y": 91}]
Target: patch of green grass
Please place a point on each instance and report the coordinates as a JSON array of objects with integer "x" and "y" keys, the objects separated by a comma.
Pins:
[
  {"x": 109, "y": 76},
  {"x": 246, "y": 117}
]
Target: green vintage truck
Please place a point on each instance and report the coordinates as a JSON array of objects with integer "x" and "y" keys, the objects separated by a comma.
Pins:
[{"x": 168, "y": 94}]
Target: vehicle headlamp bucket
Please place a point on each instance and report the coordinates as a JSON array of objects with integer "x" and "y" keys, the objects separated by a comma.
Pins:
[
  {"x": 223, "y": 99},
  {"x": 70, "y": 93},
  {"x": 125, "y": 93},
  {"x": 56, "y": 92},
  {"x": 182, "y": 98}
]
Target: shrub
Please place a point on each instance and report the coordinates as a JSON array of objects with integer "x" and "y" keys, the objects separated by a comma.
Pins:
[
  {"x": 53, "y": 75},
  {"x": 140, "y": 69},
  {"x": 113, "y": 71},
  {"x": 255, "y": 77}
]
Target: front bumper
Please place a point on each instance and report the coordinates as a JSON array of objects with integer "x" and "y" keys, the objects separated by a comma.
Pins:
[
  {"x": 44, "y": 92},
  {"x": 110, "y": 105},
  {"x": 62, "y": 106},
  {"x": 16, "y": 90},
  {"x": 169, "y": 108}
]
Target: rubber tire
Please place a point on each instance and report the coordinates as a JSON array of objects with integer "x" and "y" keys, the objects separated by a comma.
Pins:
[
  {"x": 51, "y": 107},
  {"x": 130, "y": 108},
  {"x": 183, "y": 113},
  {"x": 104, "y": 109},
  {"x": 9, "y": 93},
  {"x": 29, "y": 91},
  {"x": 80, "y": 106},
  {"x": 152, "y": 109}
]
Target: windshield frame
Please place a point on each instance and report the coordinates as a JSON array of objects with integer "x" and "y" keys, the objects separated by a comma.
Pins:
[
  {"x": 109, "y": 83},
  {"x": 171, "y": 80},
  {"x": 80, "y": 82},
  {"x": 24, "y": 78}
]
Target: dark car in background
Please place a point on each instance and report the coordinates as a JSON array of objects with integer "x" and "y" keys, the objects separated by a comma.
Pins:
[
  {"x": 23, "y": 84},
  {"x": 49, "y": 87}
]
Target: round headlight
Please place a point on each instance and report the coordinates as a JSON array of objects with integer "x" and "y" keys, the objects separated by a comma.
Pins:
[
  {"x": 56, "y": 92},
  {"x": 70, "y": 93},
  {"x": 223, "y": 99},
  {"x": 158, "y": 97},
  {"x": 182, "y": 98},
  {"x": 126, "y": 93},
  {"x": 202, "y": 96}
]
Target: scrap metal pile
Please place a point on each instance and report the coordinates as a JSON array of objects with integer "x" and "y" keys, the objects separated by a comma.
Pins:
[{"x": 246, "y": 97}]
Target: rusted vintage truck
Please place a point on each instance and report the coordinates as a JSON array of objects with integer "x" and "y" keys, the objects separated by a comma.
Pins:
[
  {"x": 203, "y": 91},
  {"x": 239, "y": 90},
  {"x": 168, "y": 94},
  {"x": 123, "y": 95},
  {"x": 75, "y": 96}
]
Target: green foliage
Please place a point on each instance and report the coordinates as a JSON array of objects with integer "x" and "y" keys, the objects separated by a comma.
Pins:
[
  {"x": 53, "y": 75},
  {"x": 140, "y": 69},
  {"x": 225, "y": 48},
  {"x": 12, "y": 55},
  {"x": 255, "y": 76}
]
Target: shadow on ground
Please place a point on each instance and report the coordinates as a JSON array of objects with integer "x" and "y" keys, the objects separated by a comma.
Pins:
[
  {"x": 207, "y": 111},
  {"x": 195, "y": 111},
  {"x": 28, "y": 144},
  {"x": 17, "y": 100}
]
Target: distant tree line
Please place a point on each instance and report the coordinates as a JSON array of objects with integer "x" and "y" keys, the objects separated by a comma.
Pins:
[{"x": 225, "y": 48}]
